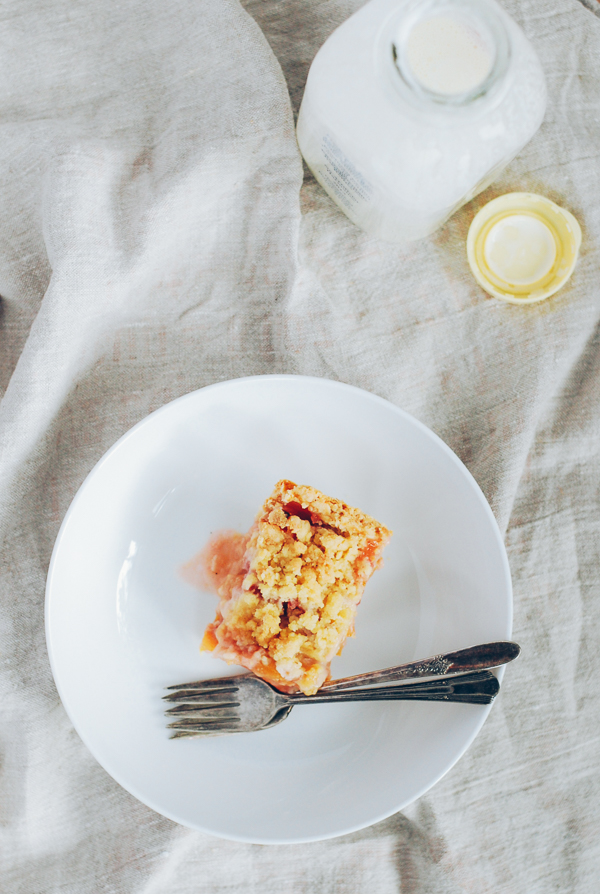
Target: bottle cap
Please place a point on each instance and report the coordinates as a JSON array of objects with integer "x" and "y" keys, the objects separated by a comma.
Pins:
[{"x": 522, "y": 247}]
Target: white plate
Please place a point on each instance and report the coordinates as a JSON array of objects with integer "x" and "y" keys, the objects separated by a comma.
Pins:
[{"x": 121, "y": 624}]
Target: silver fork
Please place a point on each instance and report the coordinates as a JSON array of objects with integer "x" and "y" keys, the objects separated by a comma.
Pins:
[
  {"x": 245, "y": 703},
  {"x": 462, "y": 661},
  {"x": 211, "y": 701}
]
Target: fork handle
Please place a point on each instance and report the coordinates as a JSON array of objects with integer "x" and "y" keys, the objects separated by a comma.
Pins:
[
  {"x": 477, "y": 688},
  {"x": 474, "y": 658}
]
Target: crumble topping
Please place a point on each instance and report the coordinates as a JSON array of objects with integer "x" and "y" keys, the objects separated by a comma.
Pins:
[{"x": 287, "y": 608}]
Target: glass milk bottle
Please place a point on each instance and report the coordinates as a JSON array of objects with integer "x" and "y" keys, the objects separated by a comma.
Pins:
[{"x": 412, "y": 108}]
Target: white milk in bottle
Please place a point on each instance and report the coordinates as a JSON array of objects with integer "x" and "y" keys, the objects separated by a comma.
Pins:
[{"x": 412, "y": 107}]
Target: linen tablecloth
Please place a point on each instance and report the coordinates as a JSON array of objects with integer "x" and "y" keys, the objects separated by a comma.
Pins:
[{"x": 157, "y": 235}]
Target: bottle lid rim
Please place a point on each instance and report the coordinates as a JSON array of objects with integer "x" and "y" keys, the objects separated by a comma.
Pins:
[{"x": 563, "y": 228}]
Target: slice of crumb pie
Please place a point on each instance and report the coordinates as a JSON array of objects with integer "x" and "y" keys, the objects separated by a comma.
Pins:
[{"x": 290, "y": 588}]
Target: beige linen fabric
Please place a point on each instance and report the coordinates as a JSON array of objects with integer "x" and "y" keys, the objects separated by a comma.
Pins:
[{"x": 155, "y": 237}]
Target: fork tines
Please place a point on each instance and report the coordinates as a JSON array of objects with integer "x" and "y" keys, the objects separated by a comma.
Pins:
[
  {"x": 203, "y": 707},
  {"x": 225, "y": 683},
  {"x": 184, "y": 729},
  {"x": 209, "y": 696},
  {"x": 196, "y": 719},
  {"x": 193, "y": 723}
]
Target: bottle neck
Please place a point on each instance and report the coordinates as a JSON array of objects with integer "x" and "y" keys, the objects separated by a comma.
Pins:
[{"x": 447, "y": 55}]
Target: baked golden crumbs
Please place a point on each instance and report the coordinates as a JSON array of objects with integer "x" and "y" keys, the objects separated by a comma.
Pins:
[{"x": 288, "y": 608}]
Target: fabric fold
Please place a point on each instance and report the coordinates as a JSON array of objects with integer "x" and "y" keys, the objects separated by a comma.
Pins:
[{"x": 156, "y": 236}]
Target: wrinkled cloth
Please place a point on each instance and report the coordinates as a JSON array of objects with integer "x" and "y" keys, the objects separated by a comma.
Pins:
[{"x": 157, "y": 234}]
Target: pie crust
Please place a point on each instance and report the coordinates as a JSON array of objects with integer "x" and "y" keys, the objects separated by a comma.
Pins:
[{"x": 289, "y": 589}]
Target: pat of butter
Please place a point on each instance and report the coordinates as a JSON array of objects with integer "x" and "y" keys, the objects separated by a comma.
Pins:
[{"x": 520, "y": 249}]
